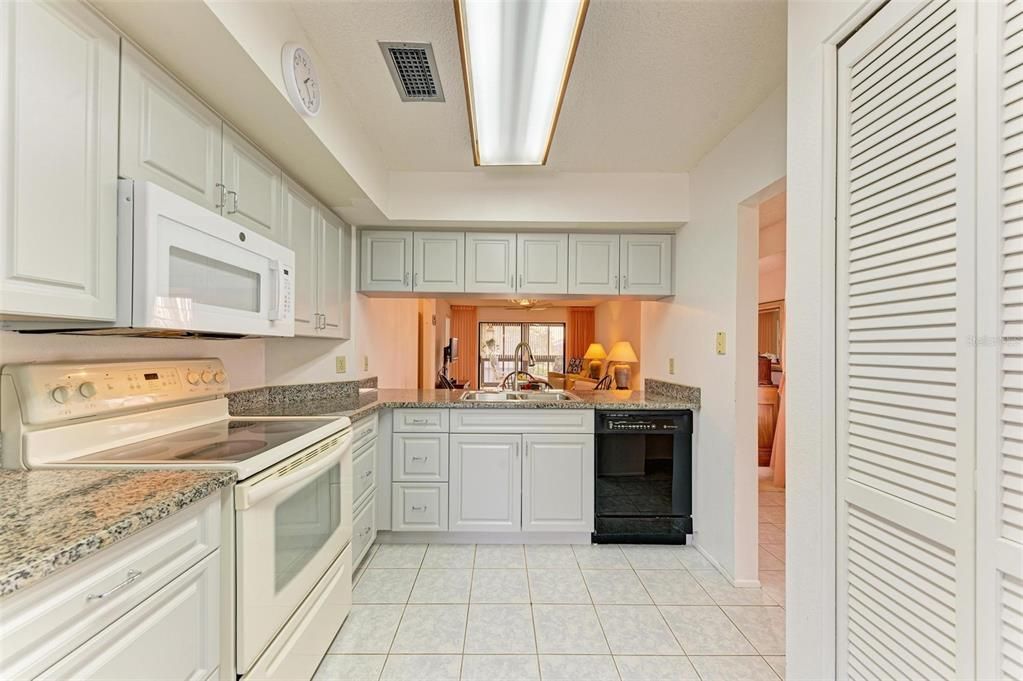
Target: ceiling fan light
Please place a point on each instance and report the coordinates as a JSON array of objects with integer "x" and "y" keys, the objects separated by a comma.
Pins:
[{"x": 516, "y": 60}]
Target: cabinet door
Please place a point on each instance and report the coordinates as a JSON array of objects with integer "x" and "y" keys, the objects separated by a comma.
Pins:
[
  {"x": 254, "y": 187},
  {"x": 542, "y": 263},
  {"x": 557, "y": 483},
  {"x": 593, "y": 264},
  {"x": 386, "y": 261},
  {"x": 302, "y": 226},
  {"x": 174, "y": 634},
  {"x": 439, "y": 262},
  {"x": 335, "y": 277},
  {"x": 646, "y": 264},
  {"x": 59, "y": 75},
  {"x": 485, "y": 476},
  {"x": 489, "y": 263},
  {"x": 167, "y": 135}
]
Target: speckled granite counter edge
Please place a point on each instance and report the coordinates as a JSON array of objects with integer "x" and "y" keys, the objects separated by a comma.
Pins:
[
  {"x": 685, "y": 393},
  {"x": 17, "y": 577},
  {"x": 270, "y": 395}
]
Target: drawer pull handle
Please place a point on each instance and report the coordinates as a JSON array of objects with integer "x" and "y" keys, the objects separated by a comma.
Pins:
[
  {"x": 419, "y": 422},
  {"x": 367, "y": 474},
  {"x": 132, "y": 576},
  {"x": 419, "y": 508},
  {"x": 419, "y": 458}
]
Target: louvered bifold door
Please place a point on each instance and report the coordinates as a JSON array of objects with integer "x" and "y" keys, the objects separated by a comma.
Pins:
[
  {"x": 906, "y": 371},
  {"x": 1000, "y": 346}
]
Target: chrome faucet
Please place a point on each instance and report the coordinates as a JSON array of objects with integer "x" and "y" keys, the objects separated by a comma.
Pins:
[{"x": 522, "y": 363}]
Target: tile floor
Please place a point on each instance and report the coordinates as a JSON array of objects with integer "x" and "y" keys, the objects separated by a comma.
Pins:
[{"x": 563, "y": 613}]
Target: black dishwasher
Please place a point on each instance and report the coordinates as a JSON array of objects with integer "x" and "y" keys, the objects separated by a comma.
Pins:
[{"x": 643, "y": 491}]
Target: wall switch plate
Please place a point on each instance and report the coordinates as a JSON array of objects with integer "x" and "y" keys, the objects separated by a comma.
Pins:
[
  {"x": 341, "y": 364},
  {"x": 671, "y": 366},
  {"x": 721, "y": 342},
  {"x": 365, "y": 362}
]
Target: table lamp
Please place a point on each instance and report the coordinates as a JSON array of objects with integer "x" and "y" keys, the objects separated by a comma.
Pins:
[
  {"x": 622, "y": 354},
  {"x": 596, "y": 354}
]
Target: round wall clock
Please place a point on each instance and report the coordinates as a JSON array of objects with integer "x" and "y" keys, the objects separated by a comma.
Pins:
[{"x": 300, "y": 79}]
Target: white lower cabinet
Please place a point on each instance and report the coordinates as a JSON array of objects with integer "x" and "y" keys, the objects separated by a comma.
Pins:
[
  {"x": 419, "y": 506},
  {"x": 557, "y": 483},
  {"x": 419, "y": 457},
  {"x": 173, "y": 634},
  {"x": 364, "y": 531},
  {"x": 485, "y": 479},
  {"x": 365, "y": 466}
]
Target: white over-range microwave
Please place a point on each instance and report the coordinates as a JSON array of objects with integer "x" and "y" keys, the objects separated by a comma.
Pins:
[{"x": 183, "y": 270}]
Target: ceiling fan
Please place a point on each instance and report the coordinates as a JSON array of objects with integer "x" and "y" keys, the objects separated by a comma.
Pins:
[{"x": 528, "y": 305}]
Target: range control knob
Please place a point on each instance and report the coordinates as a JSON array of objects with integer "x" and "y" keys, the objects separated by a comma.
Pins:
[
  {"x": 61, "y": 394},
  {"x": 192, "y": 378},
  {"x": 220, "y": 377},
  {"x": 207, "y": 376},
  {"x": 87, "y": 389}
]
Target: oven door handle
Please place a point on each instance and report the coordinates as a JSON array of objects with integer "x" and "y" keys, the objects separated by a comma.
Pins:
[{"x": 247, "y": 496}]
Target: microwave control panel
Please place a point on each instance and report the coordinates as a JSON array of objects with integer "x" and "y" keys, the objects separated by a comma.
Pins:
[{"x": 63, "y": 391}]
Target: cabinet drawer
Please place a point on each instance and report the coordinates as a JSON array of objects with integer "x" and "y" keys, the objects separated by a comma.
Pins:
[
  {"x": 365, "y": 430},
  {"x": 363, "y": 473},
  {"x": 364, "y": 531},
  {"x": 44, "y": 623},
  {"x": 419, "y": 457},
  {"x": 174, "y": 634},
  {"x": 420, "y": 420},
  {"x": 419, "y": 506},
  {"x": 522, "y": 421}
]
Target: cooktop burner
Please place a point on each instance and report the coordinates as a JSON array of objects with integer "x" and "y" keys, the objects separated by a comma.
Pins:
[{"x": 225, "y": 441}]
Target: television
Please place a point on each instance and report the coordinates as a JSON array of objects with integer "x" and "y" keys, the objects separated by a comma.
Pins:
[{"x": 451, "y": 350}]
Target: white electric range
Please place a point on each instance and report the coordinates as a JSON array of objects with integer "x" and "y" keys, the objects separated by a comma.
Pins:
[{"x": 292, "y": 504}]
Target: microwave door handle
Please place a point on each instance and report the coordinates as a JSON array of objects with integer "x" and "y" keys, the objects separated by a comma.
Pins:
[{"x": 248, "y": 495}]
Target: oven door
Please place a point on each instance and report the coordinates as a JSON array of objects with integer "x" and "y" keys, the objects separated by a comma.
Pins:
[
  {"x": 292, "y": 522},
  {"x": 195, "y": 270}
]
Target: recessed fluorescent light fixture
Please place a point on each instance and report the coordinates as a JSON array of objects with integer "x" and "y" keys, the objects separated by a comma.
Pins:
[{"x": 516, "y": 59}]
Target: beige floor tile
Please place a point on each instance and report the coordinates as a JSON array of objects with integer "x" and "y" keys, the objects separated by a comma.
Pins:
[
  {"x": 773, "y": 584},
  {"x": 368, "y": 629},
  {"x": 557, "y": 586},
  {"x": 442, "y": 585},
  {"x": 500, "y": 629},
  {"x": 578, "y": 668},
  {"x": 616, "y": 587},
  {"x": 500, "y": 668},
  {"x": 763, "y": 626},
  {"x": 636, "y": 630},
  {"x": 777, "y": 663},
  {"x": 705, "y": 630},
  {"x": 776, "y": 550},
  {"x": 717, "y": 668},
  {"x": 550, "y": 556},
  {"x": 723, "y": 593},
  {"x": 384, "y": 586},
  {"x": 449, "y": 556},
  {"x": 600, "y": 557},
  {"x": 770, "y": 533},
  {"x": 500, "y": 556},
  {"x": 422, "y": 668},
  {"x": 655, "y": 668},
  {"x": 673, "y": 587},
  {"x": 568, "y": 630},
  {"x": 398, "y": 556},
  {"x": 651, "y": 556},
  {"x": 768, "y": 498},
  {"x": 350, "y": 668},
  {"x": 499, "y": 586},
  {"x": 431, "y": 629},
  {"x": 768, "y": 561}
]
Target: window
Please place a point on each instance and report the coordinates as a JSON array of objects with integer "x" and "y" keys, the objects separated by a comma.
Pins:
[{"x": 497, "y": 348}]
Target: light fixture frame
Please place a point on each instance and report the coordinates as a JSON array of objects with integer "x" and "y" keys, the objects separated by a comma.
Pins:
[{"x": 463, "y": 49}]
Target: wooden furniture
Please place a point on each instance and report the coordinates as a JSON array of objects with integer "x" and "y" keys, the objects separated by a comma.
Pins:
[
  {"x": 767, "y": 416},
  {"x": 771, "y": 331}
]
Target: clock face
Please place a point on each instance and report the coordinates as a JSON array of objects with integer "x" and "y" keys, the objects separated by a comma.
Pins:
[{"x": 300, "y": 78}]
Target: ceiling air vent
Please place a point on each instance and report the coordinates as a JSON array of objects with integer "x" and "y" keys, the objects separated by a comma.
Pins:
[{"x": 414, "y": 71}]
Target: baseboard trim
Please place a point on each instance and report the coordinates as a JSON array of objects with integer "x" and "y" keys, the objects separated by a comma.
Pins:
[
  {"x": 388, "y": 537},
  {"x": 738, "y": 583}
]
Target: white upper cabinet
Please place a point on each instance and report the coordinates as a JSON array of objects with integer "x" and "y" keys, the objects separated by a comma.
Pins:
[
  {"x": 385, "y": 260},
  {"x": 557, "y": 483},
  {"x": 593, "y": 264},
  {"x": 485, "y": 483},
  {"x": 542, "y": 263},
  {"x": 646, "y": 264},
  {"x": 253, "y": 187},
  {"x": 301, "y": 228},
  {"x": 58, "y": 108},
  {"x": 335, "y": 277},
  {"x": 167, "y": 135},
  {"x": 489, "y": 263},
  {"x": 439, "y": 262}
]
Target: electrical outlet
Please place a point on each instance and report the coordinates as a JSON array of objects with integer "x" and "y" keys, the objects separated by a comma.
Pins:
[
  {"x": 671, "y": 366},
  {"x": 341, "y": 364},
  {"x": 721, "y": 342},
  {"x": 365, "y": 362}
]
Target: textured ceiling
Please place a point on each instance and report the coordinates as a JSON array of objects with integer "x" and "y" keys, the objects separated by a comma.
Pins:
[{"x": 655, "y": 85}]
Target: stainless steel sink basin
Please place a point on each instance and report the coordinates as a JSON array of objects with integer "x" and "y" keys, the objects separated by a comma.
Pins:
[{"x": 520, "y": 396}]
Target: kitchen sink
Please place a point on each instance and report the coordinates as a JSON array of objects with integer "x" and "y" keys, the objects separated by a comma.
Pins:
[{"x": 520, "y": 396}]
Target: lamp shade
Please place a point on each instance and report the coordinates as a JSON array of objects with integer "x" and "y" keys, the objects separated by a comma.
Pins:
[
  {"x": 622, "y": 352},
  {"x": 595, "y": 351}
]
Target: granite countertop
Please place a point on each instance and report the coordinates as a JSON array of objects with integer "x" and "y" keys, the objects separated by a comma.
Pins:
[
  {"x": 368, "y": 401},
  {"x": 50, "y": 519}
]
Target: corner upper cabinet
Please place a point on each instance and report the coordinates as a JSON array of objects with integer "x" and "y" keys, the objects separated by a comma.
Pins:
[
  {"x": 59, "y": 73},
  {"x": 167, "y": 135},
  {"x": 253, "y": 187},
  {"x": 593, "y": 264},
  {"x": 439, "y": 262},
  {"x": 646, "y": 264},
  {"x": 489, "y": 262},
  {"x": 542, "y": 263},
  {"x": 385, "y": 261}
]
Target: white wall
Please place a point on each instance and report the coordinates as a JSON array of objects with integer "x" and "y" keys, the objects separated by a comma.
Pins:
[
  {"x": 813, "y": 30},
  {"x": 243, "y": 358},
  {"x": 708, "y": 252},
  {"x": 618, "y": 320}
]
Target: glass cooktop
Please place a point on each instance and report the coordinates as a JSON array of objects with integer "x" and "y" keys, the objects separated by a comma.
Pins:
[{"x": 224, "y": 441}]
